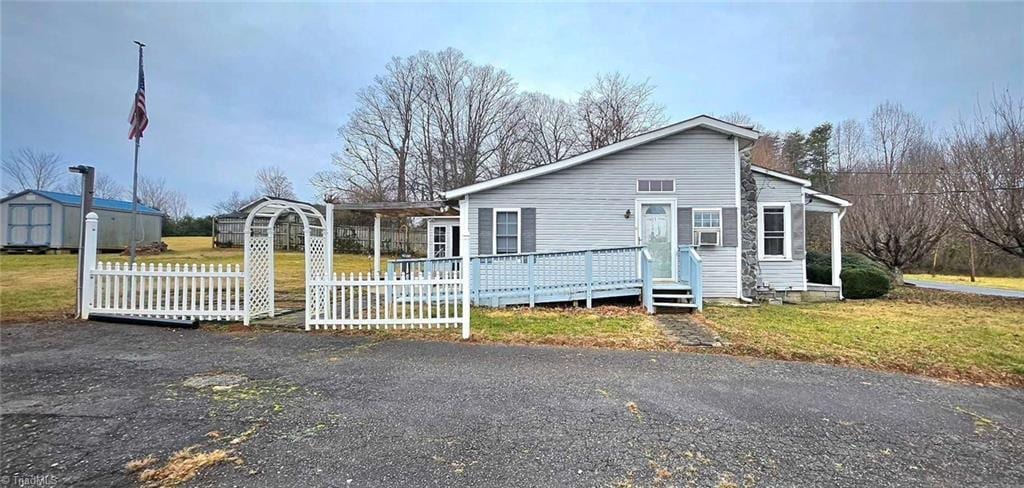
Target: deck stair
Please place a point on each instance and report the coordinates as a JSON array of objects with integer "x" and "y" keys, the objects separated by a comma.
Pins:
[{"x": 673, "y": 295}]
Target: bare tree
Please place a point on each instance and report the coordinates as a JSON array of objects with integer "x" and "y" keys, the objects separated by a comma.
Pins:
[
  {"x": 897, "y": 218},
  {"x": 104, "y": 186},
  {"x": 154, "y": 193},
  {"x": 468, "y": 106},
  {"x": 28, "y": 169},
  {"x": 741, "y": 119},
  {"x": 985, "y": 175},
  {"x": 363, "y": 175},
  {"x": 234, "y": 201},
  {"x": 613, "y": 108},
  {"x": 272, "y": 182},
  {"x": 849, "y": 141},
  {"x": 551, "y": 129}
]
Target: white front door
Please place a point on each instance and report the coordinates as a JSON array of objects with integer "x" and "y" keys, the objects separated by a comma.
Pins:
[{"x": 657, "y": 232}]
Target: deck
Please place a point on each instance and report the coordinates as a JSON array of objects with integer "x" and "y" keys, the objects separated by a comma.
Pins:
[{"x": 568, "y": 276}]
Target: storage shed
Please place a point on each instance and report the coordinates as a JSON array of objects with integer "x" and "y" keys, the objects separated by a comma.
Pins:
[{"x": 37, "y": 220}]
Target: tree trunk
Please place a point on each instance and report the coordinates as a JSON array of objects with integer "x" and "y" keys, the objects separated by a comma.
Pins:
[{"x": 897, "y": 275}]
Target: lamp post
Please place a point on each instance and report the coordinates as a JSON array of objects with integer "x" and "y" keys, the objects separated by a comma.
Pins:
[{"x": 88, "y": 180}]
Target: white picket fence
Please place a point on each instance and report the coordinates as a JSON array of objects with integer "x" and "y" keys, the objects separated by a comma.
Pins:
[
  {"x": 359, "y": 301},
  {"x": 177, "y": 291}
]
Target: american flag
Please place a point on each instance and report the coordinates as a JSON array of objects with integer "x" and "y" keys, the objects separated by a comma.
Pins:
[{"x": 139, "y": 119}]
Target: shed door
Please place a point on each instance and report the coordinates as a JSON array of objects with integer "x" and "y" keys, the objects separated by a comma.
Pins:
[{"x": 29, "y": 225}]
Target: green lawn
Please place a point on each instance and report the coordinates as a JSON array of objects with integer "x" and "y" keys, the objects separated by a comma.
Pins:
[
  {"x": 918, "y": 331},
  {"x": 986, "y": 281}
]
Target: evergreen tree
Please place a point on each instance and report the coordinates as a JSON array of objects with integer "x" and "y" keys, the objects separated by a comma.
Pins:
[{"x": 818, "y": 153}]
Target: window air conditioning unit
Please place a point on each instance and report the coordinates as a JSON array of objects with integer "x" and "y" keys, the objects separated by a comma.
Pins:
[{"x": 708, "y": 238}]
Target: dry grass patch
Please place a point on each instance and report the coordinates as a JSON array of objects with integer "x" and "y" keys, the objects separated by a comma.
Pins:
[
  {"x": 945, "y": 335},
  {"x": 180, "y": 467},
  {"x": 1006, "y": 283},
  {"x": 604, "y": 326}
]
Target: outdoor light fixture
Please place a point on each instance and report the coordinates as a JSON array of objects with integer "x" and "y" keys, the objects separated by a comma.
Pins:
[{"x": 628, "y": 213}]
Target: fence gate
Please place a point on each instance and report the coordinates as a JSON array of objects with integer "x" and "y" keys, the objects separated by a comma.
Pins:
[{"x": 259, "y": 254}]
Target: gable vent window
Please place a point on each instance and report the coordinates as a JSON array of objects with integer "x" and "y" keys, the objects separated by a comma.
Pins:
[
  {"x": 655, "y": 186},
  {"x": 707, "y": 226}
]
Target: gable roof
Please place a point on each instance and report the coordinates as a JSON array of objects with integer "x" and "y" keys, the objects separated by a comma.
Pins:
[
  {"x": 806, "y": 184},
  {"x": 695, "y": 122},
  {"x": 781, "y": 176},
  {"x": 76, "y": 201}
]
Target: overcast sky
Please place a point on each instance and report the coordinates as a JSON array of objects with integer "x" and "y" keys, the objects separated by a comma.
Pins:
[{"x": 234, "y": 86}]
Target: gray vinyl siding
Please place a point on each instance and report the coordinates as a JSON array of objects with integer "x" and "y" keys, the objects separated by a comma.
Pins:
[
  {"x": 584, "y": 207},
  {"x": 784, "y": 275},
  {"x": 818, "y": 205}
]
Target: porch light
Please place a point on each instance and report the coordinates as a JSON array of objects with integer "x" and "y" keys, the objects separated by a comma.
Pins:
[{"x": 628, "y": 213}]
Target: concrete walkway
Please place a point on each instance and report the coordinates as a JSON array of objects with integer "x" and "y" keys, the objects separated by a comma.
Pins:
[{"x": 977, "y": 290}]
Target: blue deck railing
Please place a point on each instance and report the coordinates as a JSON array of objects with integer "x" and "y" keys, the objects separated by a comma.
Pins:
[
  {"x": 529, "y": 278},
  {"x": 691, "y": 272}
]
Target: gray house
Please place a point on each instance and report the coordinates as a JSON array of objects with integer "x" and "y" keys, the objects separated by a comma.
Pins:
[
  {"x": 37, "y": 220},
  {"x": 714, "y": 227}
]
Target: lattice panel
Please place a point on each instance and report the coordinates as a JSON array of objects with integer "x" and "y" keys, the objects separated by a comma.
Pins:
[
  {"x": 259, "y": 265},
  {"x": 316, "y": 269}
]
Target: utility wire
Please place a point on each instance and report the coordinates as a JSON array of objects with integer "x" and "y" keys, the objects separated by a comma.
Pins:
[{"x": 943, "y": 192}]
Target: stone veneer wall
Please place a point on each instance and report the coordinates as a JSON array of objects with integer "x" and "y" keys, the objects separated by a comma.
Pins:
[{"x": 749, "y": 268}]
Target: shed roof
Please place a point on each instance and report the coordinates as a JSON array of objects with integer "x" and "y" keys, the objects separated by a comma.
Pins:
[{"x": 76, "y": 201}]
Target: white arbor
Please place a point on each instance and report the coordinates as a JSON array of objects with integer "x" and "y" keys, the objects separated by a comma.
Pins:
[{"x": 259, "y": 253}]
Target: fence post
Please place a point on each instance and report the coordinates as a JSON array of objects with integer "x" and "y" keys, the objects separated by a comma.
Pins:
[
  {"x": 464, "y": 247},
  {"x": 590, "y": 277},
  {"x": 531, "y": 264},
  {"x": 648, "y": 290},
  {"x": 85, "y": 302}
]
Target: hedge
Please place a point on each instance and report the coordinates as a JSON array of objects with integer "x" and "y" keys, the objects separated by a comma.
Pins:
[{"x": 862, "y": 277}]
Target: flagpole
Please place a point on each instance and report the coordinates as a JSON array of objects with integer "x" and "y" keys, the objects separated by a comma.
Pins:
[{"x": 135, "y": 185}]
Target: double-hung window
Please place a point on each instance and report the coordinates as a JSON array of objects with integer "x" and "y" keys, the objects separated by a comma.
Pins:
[
  {"x": 773, "y": 223},
  {"x": 707, "y": 226},
  {"x": 440, "y": 241},
  {"x": 506, "y": 231}
]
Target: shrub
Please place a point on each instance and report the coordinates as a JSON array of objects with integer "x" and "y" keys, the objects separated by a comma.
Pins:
[
  {"x": 865, "y": 282},
  {"x": 819, "y": 270}
]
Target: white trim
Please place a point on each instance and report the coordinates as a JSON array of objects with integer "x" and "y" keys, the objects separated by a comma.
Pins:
[
  {"x": 519, "y": 228},
  {"x": 693, "y": 224},
  {"x": 674, "y": 231},
  {"x": 449, "y": 223},
  {"x": 781, "y": 176},
  {"x": 699, "y": 121},
  {"x": 652, "y": 192},
  {"x": 787, "y": 243},
  {"x": 827, "y": 198}
]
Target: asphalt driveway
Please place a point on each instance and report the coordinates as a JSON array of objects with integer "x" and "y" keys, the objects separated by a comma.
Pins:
[{"x": 80, "y": 400}]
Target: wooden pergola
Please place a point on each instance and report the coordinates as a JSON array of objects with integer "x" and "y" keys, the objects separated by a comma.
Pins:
[{"x": 435, "y": 208}]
